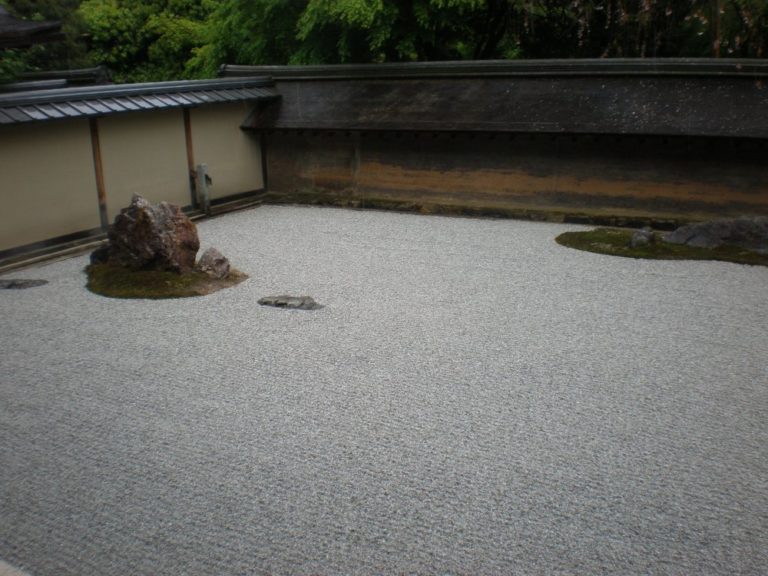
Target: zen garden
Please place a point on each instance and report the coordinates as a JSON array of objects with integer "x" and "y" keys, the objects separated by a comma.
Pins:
[{"x": 376, "y": 287}]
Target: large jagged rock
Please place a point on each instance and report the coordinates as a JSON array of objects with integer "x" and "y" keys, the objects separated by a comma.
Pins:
[
  {"x": 749, "y": 233},
  {"x": 148, "y": 236}
]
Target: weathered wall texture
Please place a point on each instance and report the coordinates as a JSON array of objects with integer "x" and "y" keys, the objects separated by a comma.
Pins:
[
  {"x": 575, "y": 104},
  {"x": 684, "y": 138},
  {"x": 144, "y": 154},
  {"x": 49, "y": 186},
  {"x": 619, "y": 175},
  {"x": 232, "y": 155}
]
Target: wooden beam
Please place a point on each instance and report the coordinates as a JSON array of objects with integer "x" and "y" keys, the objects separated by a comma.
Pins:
[
  {"x": 98, "y": 168},
  {"x": 191, "y": 170}
]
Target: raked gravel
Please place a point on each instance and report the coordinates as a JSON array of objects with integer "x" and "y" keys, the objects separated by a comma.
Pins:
[{"x": 473, "y": 399}]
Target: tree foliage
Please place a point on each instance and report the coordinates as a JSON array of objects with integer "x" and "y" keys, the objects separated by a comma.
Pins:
[
  {"x": 163, "y": 39},
  {"x": 72, "y": 52},
  {"x": 244, "y": 31},
  {"x": 645, "y": 28},
  {"x": 12, "y": 64},
  {"x": 343, "y": 31},
  {"x": 145, "y": 40},
  {"x": 338, "y": 31}
]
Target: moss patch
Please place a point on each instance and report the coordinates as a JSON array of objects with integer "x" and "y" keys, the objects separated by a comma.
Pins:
[
  {"x": 615, "y": 242},
  {"x": 117, "y": 282}
]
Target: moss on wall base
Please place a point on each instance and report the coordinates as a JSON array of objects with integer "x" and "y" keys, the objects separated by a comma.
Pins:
[
  {"x": 118, "y": 282},
  {"x": 476, "y": 209},
  {"x": 617, "y": 243}
]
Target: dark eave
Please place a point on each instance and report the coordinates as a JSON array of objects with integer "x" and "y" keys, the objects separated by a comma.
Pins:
[
  {"x": 93, "y": 101},
  {"x": 29, "y": 85},
  {"x": 79, "y": 77},
  {"x": 17, "y": 33},
  {"x": 55, "y": 79}
]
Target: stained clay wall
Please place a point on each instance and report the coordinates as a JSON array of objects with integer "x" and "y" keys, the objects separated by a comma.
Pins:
[
  {"x": 655, "y": 177},
  {"x": 652, "y": 138}
]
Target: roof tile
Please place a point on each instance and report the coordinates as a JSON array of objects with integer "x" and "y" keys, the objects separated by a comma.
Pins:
[{"x": 85, "y": 102}]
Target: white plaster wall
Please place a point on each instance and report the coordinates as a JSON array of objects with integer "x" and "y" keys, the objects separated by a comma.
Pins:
[
  {"x": 48, "y": 182},
  {"x": 233, "y": 156},
  {"x": 144, "y": 153}
]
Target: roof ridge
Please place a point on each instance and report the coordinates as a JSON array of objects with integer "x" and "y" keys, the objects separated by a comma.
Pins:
[
  {"x": 138, "y": 89},
  {"x": 94, "y": 101},
  {"x": 545, "y": 67}
]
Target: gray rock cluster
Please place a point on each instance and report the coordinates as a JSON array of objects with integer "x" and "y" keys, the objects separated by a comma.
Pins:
[
  {"x": 642, "y": 237},
  {"x": 748, "y": 233}
]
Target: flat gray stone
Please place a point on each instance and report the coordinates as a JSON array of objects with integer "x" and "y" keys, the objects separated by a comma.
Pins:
[
  {"x": 21, "y": 284},
  {"x": 291, "y": 302}
]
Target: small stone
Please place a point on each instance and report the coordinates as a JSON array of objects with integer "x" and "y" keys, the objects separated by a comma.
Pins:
[
  {"x": 100, "y": 255},
  {"x": 214, "y": 263},
  {"x": 291, "y": 302},
  {"x": 642, "y": 237}
]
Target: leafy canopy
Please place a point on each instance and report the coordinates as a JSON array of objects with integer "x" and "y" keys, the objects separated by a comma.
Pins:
[
  {"x": 143, "y": 40},
  {"x": 146, "y": 40},
  {"x": 339, "y": 31},
  {"x": 70, "y": 53}
]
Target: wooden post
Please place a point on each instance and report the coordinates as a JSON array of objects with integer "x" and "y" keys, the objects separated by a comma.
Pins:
[
  {"x": 263, "y": 149},
  {"x": 99, "y": 171},
  {"x": 190, "y": 157}
]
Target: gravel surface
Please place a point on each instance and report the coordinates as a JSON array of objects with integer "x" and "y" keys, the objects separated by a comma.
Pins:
[{"x": 473, "y": 399}]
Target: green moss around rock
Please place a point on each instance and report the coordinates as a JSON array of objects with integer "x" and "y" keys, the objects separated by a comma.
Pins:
[
  {"x": 118, "y": 282},
  {"x": 615, "y": 242}
]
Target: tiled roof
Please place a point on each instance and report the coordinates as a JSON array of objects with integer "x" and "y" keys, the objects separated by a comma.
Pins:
[{"x": 86, "y": 102}]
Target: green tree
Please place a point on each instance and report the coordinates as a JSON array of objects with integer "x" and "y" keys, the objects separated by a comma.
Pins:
[
  {"x": 339, "y": 31},
  {"x": 146, "y": 40},
  {"x": 735, "y": 27},
  {"x": 644, "y": 28},
  {"x": 343, "y": 31},
  {"x": 12, "y": 64},
  {"x": 71, "y": 52},
  {"x": 248, "y": 32}
]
